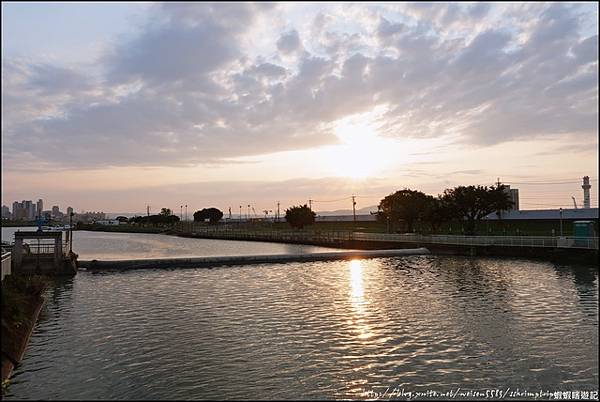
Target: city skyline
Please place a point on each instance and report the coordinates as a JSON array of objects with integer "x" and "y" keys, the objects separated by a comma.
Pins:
[{"x": 114, "y": 107}]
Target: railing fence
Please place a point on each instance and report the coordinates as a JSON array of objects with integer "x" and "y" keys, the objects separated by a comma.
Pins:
[{"x": 337, "y": 236}]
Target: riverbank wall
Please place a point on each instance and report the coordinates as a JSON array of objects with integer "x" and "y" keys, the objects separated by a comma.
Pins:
[
  {"x": 22, "y": 302},
  {"x": 347, "y": 241}
]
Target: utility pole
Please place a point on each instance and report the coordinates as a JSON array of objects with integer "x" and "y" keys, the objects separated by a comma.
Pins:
[
  {"x": 248, "y": 212},
  {"x": 71, "y": 234},
  {"x": 181, "y": 212},
  {"x": 310, "y": 204},
  {"x": 148, "y": 209},
  {"x": 354, "y": 208},
  {"x": 277, "y": 211},
  {"x": 186, "y": 212},
  {"x": 240, "y": 213}
]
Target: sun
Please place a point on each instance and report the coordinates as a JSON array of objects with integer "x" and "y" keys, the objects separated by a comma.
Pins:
[{"x": 362, "y": 152}]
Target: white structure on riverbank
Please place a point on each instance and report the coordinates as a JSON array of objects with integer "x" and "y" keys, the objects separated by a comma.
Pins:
[{"x": 547, "y": 214}]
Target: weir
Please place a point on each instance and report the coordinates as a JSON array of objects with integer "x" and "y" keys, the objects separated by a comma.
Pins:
[{"x": 195, "y": 262}]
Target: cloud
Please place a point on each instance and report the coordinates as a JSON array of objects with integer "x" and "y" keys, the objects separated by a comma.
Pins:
[
  {"x": 289, "y": 42},
  {"x": 187, "y": 90}
]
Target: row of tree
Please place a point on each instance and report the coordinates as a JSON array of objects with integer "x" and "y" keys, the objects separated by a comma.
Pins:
[
  {"x": 469, "y": 204},
  {"x": 402, "y": 209},
  {"x": 165, "y": 217}
]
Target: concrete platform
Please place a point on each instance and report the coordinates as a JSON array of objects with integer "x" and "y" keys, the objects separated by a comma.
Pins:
[{"x": 194, "y": 262}]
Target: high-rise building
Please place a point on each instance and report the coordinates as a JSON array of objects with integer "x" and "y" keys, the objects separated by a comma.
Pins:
[
  {"x": 40, "y": 207},
  {"x": 56, "y": 212},
  {"x": 69, "y": 211},
  {"x": 6, "y": 212},
  {"x": 30, "y": 209},
  {"x": 15, "y": 209},
  {"x": 513, "y": 195}
]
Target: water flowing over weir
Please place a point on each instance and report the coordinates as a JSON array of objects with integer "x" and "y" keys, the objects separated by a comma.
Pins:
[{"x": 194, "y": 262}]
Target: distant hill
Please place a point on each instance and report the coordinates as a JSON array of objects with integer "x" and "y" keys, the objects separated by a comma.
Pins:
[{"x": 360, "y": 211}]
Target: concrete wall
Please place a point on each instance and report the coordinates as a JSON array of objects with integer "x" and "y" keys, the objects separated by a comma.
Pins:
[{"x": 6, "y": 261}]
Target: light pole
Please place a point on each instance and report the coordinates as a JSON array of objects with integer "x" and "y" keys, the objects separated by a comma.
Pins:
[
  {"x": 240, "y": 214},
  {"x": 181, "y": 212},
  {"x": 248, "y": 212},
  {"x": 560, "y": 213}
]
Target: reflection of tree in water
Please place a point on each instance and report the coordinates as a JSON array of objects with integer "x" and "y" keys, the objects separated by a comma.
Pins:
[
  {"x": 585, "y": 279},
  {"x": 481, "y": 298}
]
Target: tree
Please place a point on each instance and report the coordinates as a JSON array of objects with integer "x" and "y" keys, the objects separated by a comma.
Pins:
[
  {"x": 437, "y": 211},
  {"x": 300, "y": 216},
  {"x": 214, "y": 215},
  {"x": 473, "y": 203},
  {"x": 135, "y": 219},
  {"x": 406, "y": 206},
  {"x": 165, "y": 212}
]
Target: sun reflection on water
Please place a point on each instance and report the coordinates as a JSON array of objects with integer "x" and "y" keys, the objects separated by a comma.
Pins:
[{"x": 357, "y": 298}]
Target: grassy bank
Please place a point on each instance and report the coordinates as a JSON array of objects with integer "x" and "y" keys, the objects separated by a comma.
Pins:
[
  {"x": 21, "y": 303},
  {"x": 489, "y": 228},
  {"x": 124, "y": 228},
  {"x": 7, "y": 223}
]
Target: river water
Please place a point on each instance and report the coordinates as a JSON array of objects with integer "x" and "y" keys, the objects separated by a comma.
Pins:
[
  {"x": 317, "y": 330},
  {"x": 114, "y": 246}
]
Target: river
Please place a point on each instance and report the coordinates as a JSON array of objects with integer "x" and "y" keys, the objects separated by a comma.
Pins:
[
  {"x": 318, "y": 330},
  {"x": 91, "y": 245}
]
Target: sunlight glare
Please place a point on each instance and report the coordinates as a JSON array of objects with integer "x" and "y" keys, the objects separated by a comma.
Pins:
[{"x": 362, "y": 152}]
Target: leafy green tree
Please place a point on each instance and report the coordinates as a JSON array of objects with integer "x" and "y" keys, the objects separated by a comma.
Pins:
[
  {"x": 300, "y": 216},
  {"x": 473, "y": 203},
  {"x": 404, "y": 206},
  {"x": 214, "y": 215}
]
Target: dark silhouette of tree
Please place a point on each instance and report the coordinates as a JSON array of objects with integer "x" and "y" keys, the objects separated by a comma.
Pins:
[
  {"x": 165, "y": 212},
  {"x": 404, "y": 206},
  {"x": 437, "y": 212},
  {"x": 160, "y": 219},
  {"x": 122, "y": 219},
  {"x": 300, "y": 216},
  {"x": 473, "y": 203},
  {"x": 214, "y": 215},
  {"x": 135, "y": 219}
]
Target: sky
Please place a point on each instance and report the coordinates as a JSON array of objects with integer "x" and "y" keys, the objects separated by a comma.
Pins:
[{"x": 116, "y": 106}]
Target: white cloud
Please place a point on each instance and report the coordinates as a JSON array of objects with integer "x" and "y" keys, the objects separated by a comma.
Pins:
[{"x": 184, "y": 91}]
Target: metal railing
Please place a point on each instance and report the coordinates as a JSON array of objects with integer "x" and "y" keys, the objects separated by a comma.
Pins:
[
  {"x": 42, "y": 248},
  {"x": 337, "y": 236}
]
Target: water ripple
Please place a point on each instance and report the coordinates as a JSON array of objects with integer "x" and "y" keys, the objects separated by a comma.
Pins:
[{"x": 315, "y": 330}]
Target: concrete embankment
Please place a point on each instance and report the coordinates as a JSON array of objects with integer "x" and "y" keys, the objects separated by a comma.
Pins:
[
  {"x": 18, "y": 322},
  {"x": 193, "y": 262}
]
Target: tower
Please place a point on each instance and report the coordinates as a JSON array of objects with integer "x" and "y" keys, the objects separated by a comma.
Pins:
[{"x": 586, "y": 191}]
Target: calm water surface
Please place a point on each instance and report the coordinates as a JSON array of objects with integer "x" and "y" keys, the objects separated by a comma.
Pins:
[
  {"x": 114, "y": 246},
  {"x": 315, "y": 330}
]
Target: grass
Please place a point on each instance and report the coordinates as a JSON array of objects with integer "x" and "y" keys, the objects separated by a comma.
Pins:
[{"x": 490, "y": 228}]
